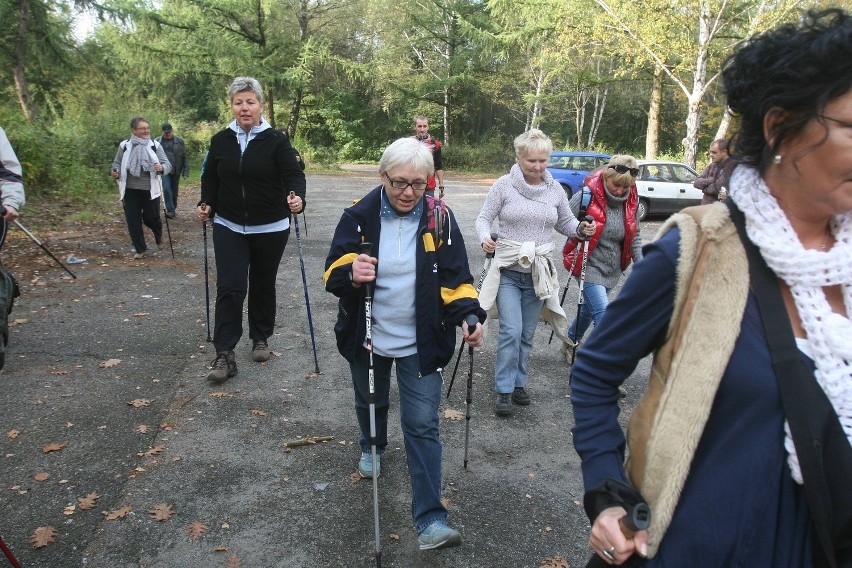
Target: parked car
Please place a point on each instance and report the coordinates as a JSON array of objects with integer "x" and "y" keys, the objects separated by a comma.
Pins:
[
  {"x": 665, "y": 187},
  {"x": 571, "y": 168}
]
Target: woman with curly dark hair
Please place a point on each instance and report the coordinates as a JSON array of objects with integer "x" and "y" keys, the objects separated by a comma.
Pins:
[{"x": 741, "y": 444}]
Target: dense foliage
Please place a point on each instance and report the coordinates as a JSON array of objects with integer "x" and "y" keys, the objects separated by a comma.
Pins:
[{"x": 345, "y": 77}]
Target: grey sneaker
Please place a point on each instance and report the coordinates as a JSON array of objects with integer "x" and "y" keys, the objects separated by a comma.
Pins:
[
  {"x": 139, "y": 255},
  {"x": 365, "y": 465},
  {"x": 224, "y": 367},
  {"x": 260, "y": 351},
  {"x": 438, "y": 535},
  {"x": 504, "y": 405},
  {"x": 520, "y": 396}
]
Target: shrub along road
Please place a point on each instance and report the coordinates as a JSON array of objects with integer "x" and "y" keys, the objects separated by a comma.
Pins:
[{"x": 117, "y": 453}]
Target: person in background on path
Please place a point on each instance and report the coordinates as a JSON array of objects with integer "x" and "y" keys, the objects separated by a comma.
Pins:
[
  {"x": 713, "y": 179},
  {"x": 176, "y": 151},
  {"x": 250, "y": 170},
  {"x": 11, "y": 185},
  {"x": 528, "y": 204},
  {"x": 137, "y": 167},
  {"x": 615, "y": 244},
  {"x": 717, "y": 455},
  {"x": 415, "y": 311},
  {"x": 421, "y": 132}
]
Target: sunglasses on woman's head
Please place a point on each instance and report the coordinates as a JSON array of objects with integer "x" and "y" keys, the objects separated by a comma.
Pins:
[{"x": 624, "y": 169}]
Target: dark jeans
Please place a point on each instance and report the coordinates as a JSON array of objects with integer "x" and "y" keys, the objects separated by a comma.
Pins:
[
  {"x": 139, "y": 208},
  {"x": 238, "y": 255},
  {"x": 170, "y": 191}
]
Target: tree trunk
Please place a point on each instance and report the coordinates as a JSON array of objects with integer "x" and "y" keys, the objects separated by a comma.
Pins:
[
  {"x": 652, "y": 134},
  {"x": 20, "y": 61},
  {"x": 270, "y": 106},
  {"x": 722, "y": 132},
  {"x": 536, "y": 109},
  {"x": 294, "y": 112},
  {"x": 693, "y": 117}
]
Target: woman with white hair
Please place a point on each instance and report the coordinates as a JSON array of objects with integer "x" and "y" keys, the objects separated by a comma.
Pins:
[
  {"x": 528, "y": 205},
  {"x": 422, "y": 291},
  {"x": 251, "y": 169}
]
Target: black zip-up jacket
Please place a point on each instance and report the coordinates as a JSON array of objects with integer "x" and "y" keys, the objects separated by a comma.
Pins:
[
  {"x": 251, "y": 188},
  {"x": 445, "y": 292}
]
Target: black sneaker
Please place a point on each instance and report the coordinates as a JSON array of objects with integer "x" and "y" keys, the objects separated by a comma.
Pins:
[
  {"x": 260, "y": 351},
  {"x": 504, "y": 405},
  {"x": 224, "y": 367},
  {"x": 520, "y": 396}
]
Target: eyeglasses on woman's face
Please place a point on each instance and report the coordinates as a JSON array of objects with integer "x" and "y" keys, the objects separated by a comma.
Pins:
[
  {"x": 624, "y": 169},
  {"x": 403, "y": 185}
]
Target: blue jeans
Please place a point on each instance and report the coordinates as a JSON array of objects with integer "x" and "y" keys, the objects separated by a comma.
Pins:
[
  {"x": 170, "y": 191},
  {"x": 595, "y": 301},
  {"x": 519, "y": 310},
  {"x": 419, "y": 398}
]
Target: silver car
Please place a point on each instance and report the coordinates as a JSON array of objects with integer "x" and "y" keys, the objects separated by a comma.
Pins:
[{"x": 665, "y": 187}]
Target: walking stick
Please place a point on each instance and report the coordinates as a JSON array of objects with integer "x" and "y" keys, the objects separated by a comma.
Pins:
[
  {"x": 580, "y": 298},
  {"x": 305, "y": 284},
  {"x": 206, "y": 278},
  {"x": 485, "y": 268},
  {"x": 585, "y": 200},
  {"x": 168, "y": 230},
  {"x": 367, "y": 248},
  {"x": 305, "y": 222},
  {"x": 44, "y": 248},
  {"x": 8, "y": 552},
  {"x": 472, "y": 321}
]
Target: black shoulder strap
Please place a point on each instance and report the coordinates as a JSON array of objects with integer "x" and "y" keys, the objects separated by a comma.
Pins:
[{"x": 823, "y": 450}]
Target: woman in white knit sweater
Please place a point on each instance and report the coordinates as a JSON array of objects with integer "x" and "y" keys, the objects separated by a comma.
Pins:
[{"x": 528, "y": 205}]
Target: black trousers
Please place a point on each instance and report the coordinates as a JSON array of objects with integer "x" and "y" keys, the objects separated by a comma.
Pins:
[
  {"x": 237, "y": 256},
  {"x": 139, "y": 208}
]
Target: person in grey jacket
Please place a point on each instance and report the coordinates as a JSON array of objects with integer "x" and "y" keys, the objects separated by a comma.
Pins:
[
  {"x": 11, "y": 185},
  {"x": 137, "y": 167},
  {"x": 175, "y": 150}
]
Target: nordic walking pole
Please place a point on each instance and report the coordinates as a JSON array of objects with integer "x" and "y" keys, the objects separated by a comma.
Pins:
[
  {"x": 206, "y": 277},
  {"x": 305, "y": 284},
  {"x": 472, "y": 322},
  {"x": 585, "y": 200},
  {"x": 488, "y": 258},
  {"x": 44, "y": 248},
  {"x": 168, "y": 230},
  {"x": 367, "y": 248},
  {"x": 8, "y": 552},
  {"x": 588, "y": 219}
]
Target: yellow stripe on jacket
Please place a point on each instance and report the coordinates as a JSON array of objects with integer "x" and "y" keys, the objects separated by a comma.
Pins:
[{"x": 345, "y": 259}]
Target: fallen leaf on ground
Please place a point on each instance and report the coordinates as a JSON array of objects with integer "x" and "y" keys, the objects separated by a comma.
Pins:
[
  {"x": 220, "y": 394},
  {"x": 143, "y": 429},
  {"x": 161, "y": 512},
  {"x": 54, "y": 447},
  {"x": 43, "y": 536},
  {"x": 531, "y": 475},
  {"x": 118, "y": 513},
  {"x": 355, "y": 477},
  {"x": 196, "y": 529},
  {"x": 139, "y": 402},
  {"x": 141, "y": 314},
  {"x": 312, "y": 375},
  {"x": 12, "y": 434},
  {"x": 220, "y": 549},
  {"x": 257, "y": 412},
  {"x": 69, "y": 510},
  {"x": 43, "y": 476},
  {"x": 555, "y": 562},
  {"x": 445, "y": 502},
  {"x": 394, "y": 536},
  {"x": 109, "y": 363},
  {"x": 60, "y": 373},
  {"x": 152, "y": 452},
  {"x": 88, "y": 501},
  {"x": 234, "y": 562},
  {"x": 451, "y": 414}
]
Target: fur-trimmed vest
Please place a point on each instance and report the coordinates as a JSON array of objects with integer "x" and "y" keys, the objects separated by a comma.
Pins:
[{"x": 667, "y": 424}]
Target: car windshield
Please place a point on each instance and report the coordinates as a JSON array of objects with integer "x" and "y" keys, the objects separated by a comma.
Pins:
[{"x": 559, "y": 162}]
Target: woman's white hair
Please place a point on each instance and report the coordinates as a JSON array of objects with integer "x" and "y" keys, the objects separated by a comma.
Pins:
[
  {"x": 243, "y": 85},
  {"x": 408, "y": 152},
  {"x": 533, "y": 140}
]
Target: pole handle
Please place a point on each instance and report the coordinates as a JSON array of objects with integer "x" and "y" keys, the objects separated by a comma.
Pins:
[
  {"x": 366, "y": 248},
  {"x": 494, "y": 237},
  {"x": 638, "y": 518}
]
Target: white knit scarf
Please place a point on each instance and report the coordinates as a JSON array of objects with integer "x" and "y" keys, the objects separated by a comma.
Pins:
[{"x": 806, "y": 272}]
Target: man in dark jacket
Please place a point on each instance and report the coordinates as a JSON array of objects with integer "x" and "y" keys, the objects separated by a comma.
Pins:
[
  {"x": 714, "y": 177},
  {"x": 176, "y": 152},
  {"x": 422, "y": 290}
]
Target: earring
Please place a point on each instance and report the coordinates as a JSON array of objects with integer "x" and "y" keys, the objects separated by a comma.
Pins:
[{"x": 776, "y": 159}]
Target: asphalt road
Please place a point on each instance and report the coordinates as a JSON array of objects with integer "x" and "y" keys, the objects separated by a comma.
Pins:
[{"x": 112, "y": 436}]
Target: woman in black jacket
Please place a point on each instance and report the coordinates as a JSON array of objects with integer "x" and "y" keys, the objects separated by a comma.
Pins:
[{"x": 251, "y": 170}]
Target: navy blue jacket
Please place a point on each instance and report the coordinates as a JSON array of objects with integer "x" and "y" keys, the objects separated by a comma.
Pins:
[{"x": 445, "y": 292}]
